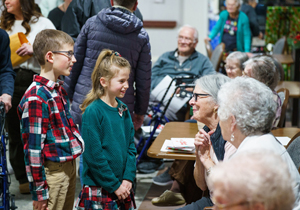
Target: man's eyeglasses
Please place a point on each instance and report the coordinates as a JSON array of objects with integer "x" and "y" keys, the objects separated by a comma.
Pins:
[
  {"x": 186, "y": 39},
  {"x": 201, "y": 95},
  {"x": 69, "y": 53}
]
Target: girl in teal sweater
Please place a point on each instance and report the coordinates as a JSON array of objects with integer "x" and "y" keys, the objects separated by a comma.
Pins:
[{"x": 107, "y": 129}]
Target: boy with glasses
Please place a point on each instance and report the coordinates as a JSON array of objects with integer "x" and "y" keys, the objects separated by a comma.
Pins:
[{"x": 50, "y": 137}]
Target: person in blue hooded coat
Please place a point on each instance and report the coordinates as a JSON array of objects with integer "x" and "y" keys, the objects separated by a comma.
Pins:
[{"x": 115, "y": 28}]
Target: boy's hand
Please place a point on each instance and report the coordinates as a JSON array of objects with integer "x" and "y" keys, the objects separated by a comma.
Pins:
[
  {"x": 137, "y": 121},
  {"x": 127, "y": 184},
  {"x": 40, "y": 205},
  {"x": 122, "y": 192}
]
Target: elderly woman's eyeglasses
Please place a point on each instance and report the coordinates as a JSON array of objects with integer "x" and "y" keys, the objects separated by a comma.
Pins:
[
  {"x": 227, "y": 206},
  {"x": 200, "y": 95},
  {"x": 69, "y": 53}
]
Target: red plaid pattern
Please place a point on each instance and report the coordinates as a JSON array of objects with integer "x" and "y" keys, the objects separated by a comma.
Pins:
[
  {"x": 48, "y": 131},
  {"x": 91, "y": 198}
]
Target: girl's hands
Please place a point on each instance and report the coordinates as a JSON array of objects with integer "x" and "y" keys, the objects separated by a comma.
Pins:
[
  {"x": 25, "y": 49},
  {"x": 122, "y": 192},
  {"x": 203, "y": 143},
  {"x": 127, "y": 184}
]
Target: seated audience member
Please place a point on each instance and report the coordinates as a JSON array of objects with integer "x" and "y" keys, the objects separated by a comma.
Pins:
[
  {"x": 234, "y": 29},
  {"x": 257, "y": 180},
  {"x": 247, "y": 111},
  {"x": 184, "y": 61},
  {"x": 46, "y": 6},
  {"x": 80, "y": 10},
  {"x": 263, "y": 69},
  {"x": 57, "y": 14},
  {"x": 248, "y": 7},
  {"x": 190, "y": 178},
  {"x": 234, "y": 64}
]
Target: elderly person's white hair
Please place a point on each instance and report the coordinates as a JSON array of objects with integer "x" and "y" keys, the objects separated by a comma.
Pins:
[
  {"x": 250, "y": 102},
  {"x": 257, "y": 177},
  {"x": 241, "y": 57},
  {"x": 237, "y": 2},
  {"x": 211, "y": 84},
  {"x": 191, "y": 27},
  {"x": 264, "y": 70}
]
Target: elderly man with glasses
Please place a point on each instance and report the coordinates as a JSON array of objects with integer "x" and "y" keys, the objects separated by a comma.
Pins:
[{"x": 184, "y": 61}]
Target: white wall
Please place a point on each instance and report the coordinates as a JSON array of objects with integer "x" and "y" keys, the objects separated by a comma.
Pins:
[{"x": 191, "y": 12}]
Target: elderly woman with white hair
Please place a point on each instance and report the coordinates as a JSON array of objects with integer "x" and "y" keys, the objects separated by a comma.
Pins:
[
  {"x": 233, "y": 26},
  {"x": 256, "y": 180},
  {"x": 234, "y": 64},
  {"x": 263, "y": 69},
  {"x": 209, "y": 143},
  {"x": 247, "y": 111}
]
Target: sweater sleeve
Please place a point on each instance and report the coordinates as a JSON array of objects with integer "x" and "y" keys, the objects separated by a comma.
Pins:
[
  {"x": 207, "y": 67},
  {"x": 129, "y": 173},
  {"x": 7, "y": 74},
  {"x": 93, "y": 155},
  {"x": 247, "y": 34},
  {"x": 79, "y": 53},
  {"x": 157, "y": 71},
  {"x": 143, "y": 80},
  {"x": 214, "y": 32}
]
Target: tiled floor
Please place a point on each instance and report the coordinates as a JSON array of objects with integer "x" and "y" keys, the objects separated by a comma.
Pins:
[{"x": 24, "y": 202}]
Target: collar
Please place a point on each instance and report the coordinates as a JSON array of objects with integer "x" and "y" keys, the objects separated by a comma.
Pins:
[
  {"x": 118, "y": 6},
  {"x": 174, "y": 54},
  {"x": 48, "y": 83}
]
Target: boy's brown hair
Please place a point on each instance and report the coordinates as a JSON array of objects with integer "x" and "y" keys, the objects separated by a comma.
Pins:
[{"x": 49, "y": 40}]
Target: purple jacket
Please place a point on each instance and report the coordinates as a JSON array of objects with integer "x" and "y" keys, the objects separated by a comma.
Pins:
[{"x": 119, "y": 30}]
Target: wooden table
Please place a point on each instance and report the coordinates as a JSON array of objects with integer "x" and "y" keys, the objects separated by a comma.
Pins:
[
  {"x": 284, "y": 59},
  {"x": 189, "y": 130},
  {"x": 173, "y": 130}
]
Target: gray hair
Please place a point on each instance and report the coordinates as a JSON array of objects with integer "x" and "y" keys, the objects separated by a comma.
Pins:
[
  {"x": 211, "y": 84},
  {"x": 191, "y": 27},
  {"x": 250, "y": 102},
  {"x": 264, "y": 70},
  {"x": 241, "y": 57},
  {"x": 257, "y": 177},
  {"x": 237, "y": 2}
]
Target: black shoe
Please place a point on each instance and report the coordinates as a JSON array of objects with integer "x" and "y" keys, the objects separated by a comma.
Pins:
[{"x": 148, "y": 167}]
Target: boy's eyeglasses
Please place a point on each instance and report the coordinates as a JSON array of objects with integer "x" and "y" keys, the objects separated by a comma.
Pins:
[
  {"x": 69, "y": 53},
  {"x": 195, "y": 96}
]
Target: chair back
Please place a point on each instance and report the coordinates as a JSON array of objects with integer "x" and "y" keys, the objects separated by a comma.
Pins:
[
  {"x": 208, "y": 48},
  {"x": 280, "y": 46},
  {"x": 293, "y": 149},
  {"x": 217, "y": 55},
  {"x": 284, "y": 95}
]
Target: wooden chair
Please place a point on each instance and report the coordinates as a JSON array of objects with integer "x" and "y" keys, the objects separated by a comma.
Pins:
[
  {"x": 294, "y": 90},
  {"x": 217, "y": 55},
  {"x": 284, "y": 96},
  {"x": 280, "y": 46},
  {"x": 208, "y": 48}
]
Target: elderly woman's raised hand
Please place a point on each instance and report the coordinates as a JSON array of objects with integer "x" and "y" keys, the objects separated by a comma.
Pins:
[{"x": 203, "y": 144}]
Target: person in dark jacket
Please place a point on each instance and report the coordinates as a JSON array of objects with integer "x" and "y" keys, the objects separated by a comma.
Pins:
[
  {"x": 7, "y": 74},
  {"x": 248, "y": 7},
  {"x": 80, "y": 10},
  {"x": 118, "y": 29}
]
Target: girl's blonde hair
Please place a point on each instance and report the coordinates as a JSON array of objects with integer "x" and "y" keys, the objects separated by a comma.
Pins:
[{"x": 105, "y": 61}]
